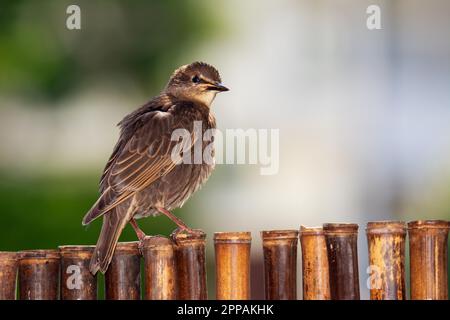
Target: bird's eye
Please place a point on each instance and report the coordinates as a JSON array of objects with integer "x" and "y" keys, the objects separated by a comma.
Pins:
[{"x": 195, "y": 79}]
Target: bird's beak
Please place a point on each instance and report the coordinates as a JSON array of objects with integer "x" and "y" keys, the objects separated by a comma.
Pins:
[{"x": 217, "y": 87}]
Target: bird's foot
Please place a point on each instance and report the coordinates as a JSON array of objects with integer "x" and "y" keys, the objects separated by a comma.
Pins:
[
  {"x": 185, "y": 232},
  {"x": 140, "y": 234},
  {"x": 141, "y": 244}
]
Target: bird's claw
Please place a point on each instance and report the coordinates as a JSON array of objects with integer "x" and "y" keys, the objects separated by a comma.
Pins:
[
  {"x": 141, "y": 244},
  {"x": 195, "y": 233}
]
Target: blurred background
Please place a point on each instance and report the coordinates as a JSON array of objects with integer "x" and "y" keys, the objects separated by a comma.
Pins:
[{"x": 364, "y": 116}]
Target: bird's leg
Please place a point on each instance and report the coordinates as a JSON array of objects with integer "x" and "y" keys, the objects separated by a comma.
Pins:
[
  {"x": 140, "y": 234},
  {"x": 174, "y": 218},
  {"x": 177, "y": 221}
]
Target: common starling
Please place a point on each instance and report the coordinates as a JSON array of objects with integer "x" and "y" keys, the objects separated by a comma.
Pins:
[{"x": 142, "y": 178}]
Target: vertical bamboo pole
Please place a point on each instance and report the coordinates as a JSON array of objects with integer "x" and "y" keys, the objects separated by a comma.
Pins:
[
  {"x": 77, "y": 282},
  {"x": 232, "y": 250},
  {"x": 160, "y": 271},
  {"x": 39, "y": 274},
  {"x": 123, "y": 277},
  {"x": 386, "y": 243},
  {"x": 316, "y": 282},
  {"x": 8, "y": 275},
  {"x": 280, "y": 264},
  {"x": 342, "y": 253},
  {"x": 190, "y": 265},
  {"x": 428, "y": 259}
]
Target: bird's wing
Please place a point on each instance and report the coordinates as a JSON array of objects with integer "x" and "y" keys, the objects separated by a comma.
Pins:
[
  {"x": 148, "y": 154},
  {"x": 146, "y": 157},
  {"x": 116, "y": 152}
]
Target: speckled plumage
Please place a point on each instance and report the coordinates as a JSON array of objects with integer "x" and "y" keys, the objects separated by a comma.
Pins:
[{"x": 140, "y": 175}]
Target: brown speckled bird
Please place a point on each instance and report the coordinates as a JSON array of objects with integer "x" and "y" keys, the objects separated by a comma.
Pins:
[{"x": 141, "y": 178}]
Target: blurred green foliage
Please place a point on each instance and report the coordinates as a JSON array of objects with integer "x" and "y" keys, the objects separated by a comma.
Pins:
[
  {"x": 41, "y": 59},
  {"x": 46, "y": 211}
]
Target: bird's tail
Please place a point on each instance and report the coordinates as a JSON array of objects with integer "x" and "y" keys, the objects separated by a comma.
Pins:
[{"x": 113, "y": 223}]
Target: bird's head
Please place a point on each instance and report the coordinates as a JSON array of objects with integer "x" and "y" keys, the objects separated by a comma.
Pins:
[{"x": 197, "y": 82}]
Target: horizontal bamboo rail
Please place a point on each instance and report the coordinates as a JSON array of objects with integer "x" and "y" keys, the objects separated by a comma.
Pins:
[{"x": 175, "y": 266}]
